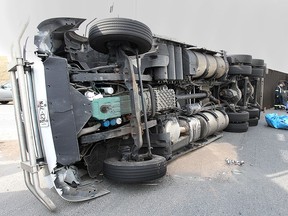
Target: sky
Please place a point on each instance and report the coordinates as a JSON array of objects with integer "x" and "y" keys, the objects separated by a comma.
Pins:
[{"x": 254, "y": 27}]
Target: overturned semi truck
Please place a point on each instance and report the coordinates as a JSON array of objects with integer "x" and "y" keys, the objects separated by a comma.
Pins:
[{"x": 122, "y": 102}]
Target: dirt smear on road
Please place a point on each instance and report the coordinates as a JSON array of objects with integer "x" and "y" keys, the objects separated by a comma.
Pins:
[
  {"x": 207, "y": 162},
  {"x": 9, "y": 150}
]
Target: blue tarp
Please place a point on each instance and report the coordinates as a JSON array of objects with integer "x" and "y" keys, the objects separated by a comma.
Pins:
[{"x": 276, "y": 121}]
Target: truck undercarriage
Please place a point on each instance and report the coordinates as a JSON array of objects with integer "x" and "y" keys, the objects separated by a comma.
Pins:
[{"x": 123, "y": 102}]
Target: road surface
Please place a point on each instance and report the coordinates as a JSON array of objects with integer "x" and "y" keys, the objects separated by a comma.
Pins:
[{"x": 199, "y": 183}]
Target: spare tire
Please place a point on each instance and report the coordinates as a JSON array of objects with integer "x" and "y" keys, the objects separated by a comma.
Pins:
[
  {"x": 122, "y": 31},
  {"x": 134, "y": 171}
]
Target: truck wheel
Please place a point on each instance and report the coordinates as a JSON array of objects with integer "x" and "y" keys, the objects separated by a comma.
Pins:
[
  {"x": 253, "y": 121},
  {"x": 257, "y": 72},
  {"x": 134, "y": 171},
  {"x": 259, "y": 108},
  {"x": 258, "y": 62},
  {"x": 239, "y": 59},
  {"x": 237, "y": 127},
  {"x": 253, "y": 112},
  {"x": 241, "y": 116},
  {"x": 240, "y": 70},
  {"x": 121, "y": 30}
]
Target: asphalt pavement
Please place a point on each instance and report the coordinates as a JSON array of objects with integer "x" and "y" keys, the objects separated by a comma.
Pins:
[{"x": 199, "y": 183}]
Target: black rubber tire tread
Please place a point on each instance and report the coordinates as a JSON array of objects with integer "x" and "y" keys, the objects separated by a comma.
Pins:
[
  {"x": 264, "y": 68},
  {"x": 235, "y": 117},
  {"x": 253, "y": 112},
  {"x": 253, "y": 122},
  {"x": 237, "y": 127},
  {"x": 4, "y": 102},
  {"x": 135, "y": 172},
  {"x": 240, "y": 70},
  {"x": 257, "y": 72},
  {"x": 137, "y": 34},
  {"x": 258, "y": 62},
  {"x": 257, "y": 107},
  {"x": 239, "y": 59}
]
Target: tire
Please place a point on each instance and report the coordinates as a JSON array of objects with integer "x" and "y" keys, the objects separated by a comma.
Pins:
[
  {"x": 258, "y": 62},
  {"x": 242, "y": 116},
  {"x": 121, "y": 30},
  {"x": 4, "y": 102},
  {"x": 239, "y": 59},
  {"x": 264, "y": 68},
  {"x": 253, "y": 122},
  {"x": 134, "y": 172},
  {"x": 237, "y": 127},
  {"x": 257, "y": 107},
  {"x": 257, "y": 72},
  {"x": 240, "y": 70},
  {"x": 253, "y": 112}
]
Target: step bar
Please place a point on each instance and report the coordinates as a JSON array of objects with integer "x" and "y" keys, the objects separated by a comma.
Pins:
[{"x": 27, "y": 126}]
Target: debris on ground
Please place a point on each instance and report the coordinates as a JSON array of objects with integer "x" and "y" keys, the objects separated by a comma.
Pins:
[
  {"x": 277, "y": 121},
  {"x": 234, "y": 162},
  {"x": 236, "y": 172}
]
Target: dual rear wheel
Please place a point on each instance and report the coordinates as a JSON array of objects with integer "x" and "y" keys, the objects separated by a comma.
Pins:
[{"x": 239, "y": 122}]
